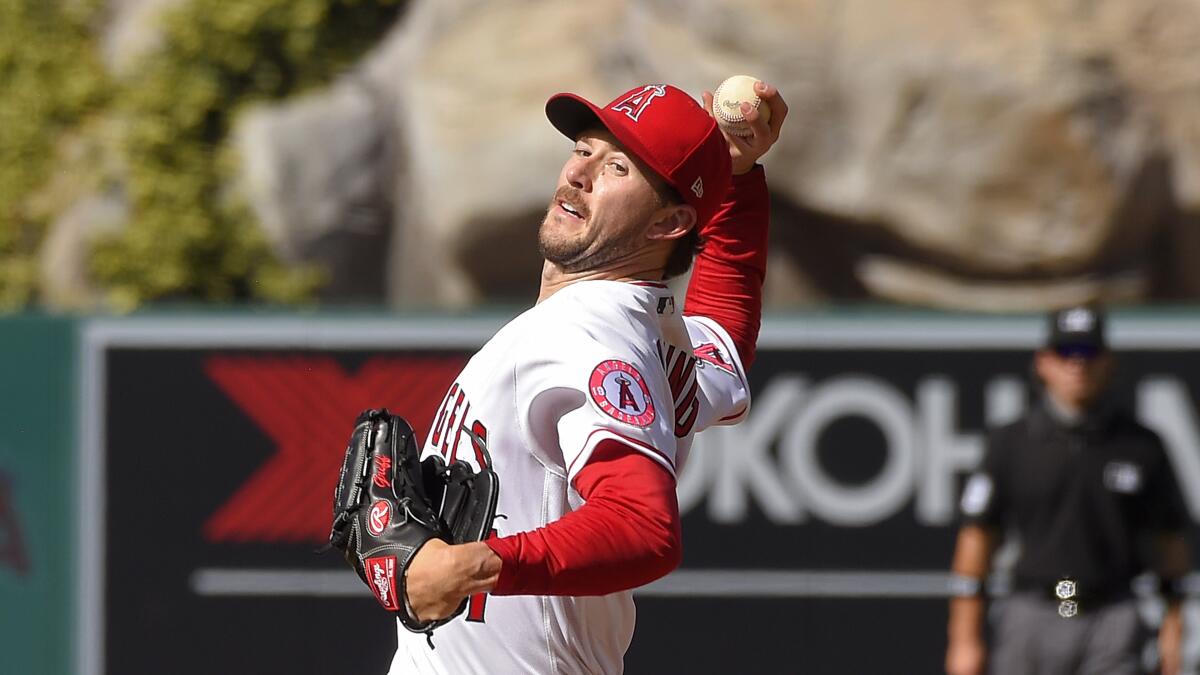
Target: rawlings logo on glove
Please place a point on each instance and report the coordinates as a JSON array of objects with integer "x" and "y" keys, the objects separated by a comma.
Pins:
[
  {"x": 383, "y": 581},
  {"x": 389, "y": 502}
]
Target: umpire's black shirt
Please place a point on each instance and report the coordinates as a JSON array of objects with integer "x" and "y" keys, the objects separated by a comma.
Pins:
[{"x": 1083, "y": 498}]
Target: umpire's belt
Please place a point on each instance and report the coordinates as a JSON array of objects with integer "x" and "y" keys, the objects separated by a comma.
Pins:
[{"x": 1086, "y": 597}]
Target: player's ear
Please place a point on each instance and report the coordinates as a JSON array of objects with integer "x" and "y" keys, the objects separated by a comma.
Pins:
[{"x": 672, "y": 222}]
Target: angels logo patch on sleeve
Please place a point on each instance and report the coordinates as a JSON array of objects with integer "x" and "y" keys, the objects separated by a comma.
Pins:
[{"x": 620, "y": 391}]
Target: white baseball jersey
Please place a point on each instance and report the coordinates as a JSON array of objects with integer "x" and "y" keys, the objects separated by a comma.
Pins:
[{"x": 597, "y": 360}]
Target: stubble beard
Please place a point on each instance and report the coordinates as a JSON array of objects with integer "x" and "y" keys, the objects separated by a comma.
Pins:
[
  {"x": 584, "y": 253},
  {"x": 587, "y": 250},
  {"x": 563, "y": 251}
]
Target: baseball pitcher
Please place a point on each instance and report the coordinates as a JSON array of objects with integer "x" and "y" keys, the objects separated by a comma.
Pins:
[{"x": 584, "y": 407}]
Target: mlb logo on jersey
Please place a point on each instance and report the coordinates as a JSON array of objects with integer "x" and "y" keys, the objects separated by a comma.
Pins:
[{"x": 619, "y": 390}]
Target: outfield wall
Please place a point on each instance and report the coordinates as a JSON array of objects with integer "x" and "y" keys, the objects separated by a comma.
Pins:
[
  {"x": 37, "y": 457},
  {"x": 817, "y": 532}
]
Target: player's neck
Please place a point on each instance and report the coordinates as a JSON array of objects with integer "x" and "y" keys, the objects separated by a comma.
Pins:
[{"x": 555, "y": 278}]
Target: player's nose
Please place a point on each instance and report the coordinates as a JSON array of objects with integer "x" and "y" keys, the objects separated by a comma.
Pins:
[{"x": 579, "y": 174}]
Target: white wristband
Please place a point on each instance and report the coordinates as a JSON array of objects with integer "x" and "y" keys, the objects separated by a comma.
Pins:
[{"x": 963, "y": 586}]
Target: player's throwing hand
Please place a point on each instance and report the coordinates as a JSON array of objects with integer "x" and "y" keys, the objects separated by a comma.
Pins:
[{"x": 746, "y": 151}]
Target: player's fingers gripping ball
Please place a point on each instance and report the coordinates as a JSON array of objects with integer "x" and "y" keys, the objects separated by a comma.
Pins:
[{"x": 727, "y": 105}]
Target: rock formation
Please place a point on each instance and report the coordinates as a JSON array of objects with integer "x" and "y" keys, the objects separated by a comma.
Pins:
[{"x": 969, "y": 155}]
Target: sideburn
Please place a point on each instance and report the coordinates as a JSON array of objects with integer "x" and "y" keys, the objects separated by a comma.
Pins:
[{"x": 686, "y": 248}]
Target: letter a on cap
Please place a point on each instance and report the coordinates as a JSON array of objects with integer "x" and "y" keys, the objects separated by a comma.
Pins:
[{"x": 636, "y": 103}]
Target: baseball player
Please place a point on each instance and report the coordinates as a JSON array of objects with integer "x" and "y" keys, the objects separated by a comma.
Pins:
[{"x": 586, "y": 404}]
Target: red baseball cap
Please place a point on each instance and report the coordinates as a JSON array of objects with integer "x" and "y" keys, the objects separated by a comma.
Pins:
[{"x": 666, "y": 129}]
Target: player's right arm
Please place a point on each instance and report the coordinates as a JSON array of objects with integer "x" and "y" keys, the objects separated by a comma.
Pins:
[
  {"x": 729, "y": 270},
  {"x": 982, "y": 507},
  {"x": 966, "y": 653}
]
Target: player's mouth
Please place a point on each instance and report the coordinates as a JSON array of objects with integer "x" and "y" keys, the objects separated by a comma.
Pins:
[
  {"x": 568, "y": 201},
  {"x": 570, "y": 210}
]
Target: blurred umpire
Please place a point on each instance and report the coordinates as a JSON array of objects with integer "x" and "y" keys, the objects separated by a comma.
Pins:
[{"x": 1090, "y": 496}]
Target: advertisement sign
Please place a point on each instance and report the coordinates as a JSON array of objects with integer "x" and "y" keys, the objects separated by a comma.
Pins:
[
  {"x": 817, "y": 533},
  {"x": 37, "y": 429}
]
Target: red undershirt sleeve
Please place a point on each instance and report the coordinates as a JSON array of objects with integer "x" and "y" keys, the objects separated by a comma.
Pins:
[
  {"x": 627, "y": 534},
  {"x": 728, "y": 273}
]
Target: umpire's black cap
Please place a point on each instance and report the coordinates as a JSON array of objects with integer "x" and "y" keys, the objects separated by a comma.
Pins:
[{"x": 1077, "y": 329}]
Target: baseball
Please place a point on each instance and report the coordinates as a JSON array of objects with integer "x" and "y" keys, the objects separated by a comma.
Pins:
[{"x": 727, "y": 104}]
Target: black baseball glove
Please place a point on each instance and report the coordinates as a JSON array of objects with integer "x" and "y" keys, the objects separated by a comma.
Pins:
[{"x": 388, "y": 504}]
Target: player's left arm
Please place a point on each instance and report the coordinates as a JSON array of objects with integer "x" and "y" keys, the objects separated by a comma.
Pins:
[
  {"x": 1172, "y": 561},
  {"x": 729, "y": 270},
  {"x": 1168, "y": 518}
]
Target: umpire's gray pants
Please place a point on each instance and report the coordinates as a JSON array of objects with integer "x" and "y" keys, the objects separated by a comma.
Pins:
[{"x": 1030, "y": 638}]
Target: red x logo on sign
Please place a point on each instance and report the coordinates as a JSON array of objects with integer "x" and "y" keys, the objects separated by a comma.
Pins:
[{"x": 307, "y": 406}]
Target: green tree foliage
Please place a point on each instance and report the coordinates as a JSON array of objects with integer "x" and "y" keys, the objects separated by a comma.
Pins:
[
  {"x": 50, "y": 79},
  {"x": 186, "y": 238}
]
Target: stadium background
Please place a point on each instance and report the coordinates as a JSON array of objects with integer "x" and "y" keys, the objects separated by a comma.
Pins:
[{"x": 227, "y": 226}]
